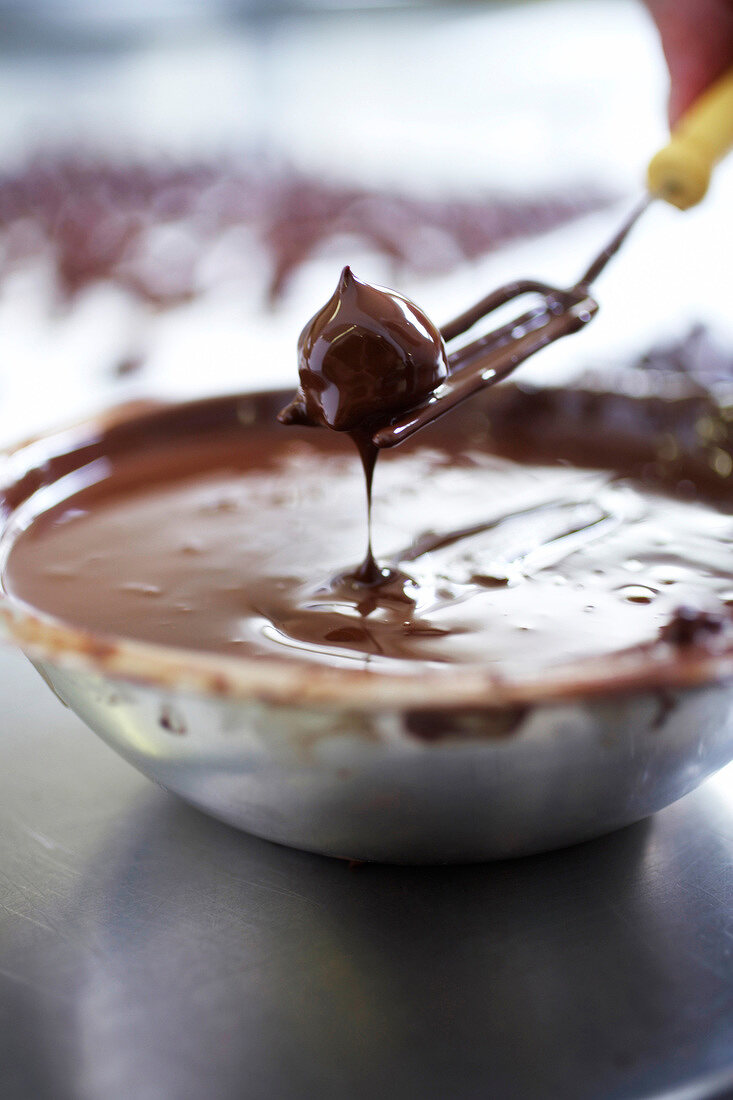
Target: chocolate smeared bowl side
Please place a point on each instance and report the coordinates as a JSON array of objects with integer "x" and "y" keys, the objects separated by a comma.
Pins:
[{"x": 408, "y": 756}]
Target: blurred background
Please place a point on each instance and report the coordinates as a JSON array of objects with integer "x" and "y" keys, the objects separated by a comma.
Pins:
[{"x": 182, "y": 180}]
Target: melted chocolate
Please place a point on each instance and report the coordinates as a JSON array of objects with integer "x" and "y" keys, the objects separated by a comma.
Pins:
[
  {"x": 205, "y": 535},
  {"x": 367, "y": 354}
]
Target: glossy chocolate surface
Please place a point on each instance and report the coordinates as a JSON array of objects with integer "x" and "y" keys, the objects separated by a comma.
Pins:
[
  {"x": 513, "y": 548},
  {"x": 367, "y": 354}
]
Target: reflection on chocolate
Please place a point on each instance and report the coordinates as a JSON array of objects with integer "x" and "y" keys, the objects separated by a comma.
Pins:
[
  {"x": 209, "y": 536},
  {"x": 367, "y": 354}
]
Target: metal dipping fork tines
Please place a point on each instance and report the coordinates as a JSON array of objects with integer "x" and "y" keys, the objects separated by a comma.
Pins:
[
  {"x": 679, "y": 173},
  {"x": 492, "y": 357}
]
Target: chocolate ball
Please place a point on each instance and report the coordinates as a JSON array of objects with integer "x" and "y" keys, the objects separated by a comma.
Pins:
[{"x": 369, "y": 354}]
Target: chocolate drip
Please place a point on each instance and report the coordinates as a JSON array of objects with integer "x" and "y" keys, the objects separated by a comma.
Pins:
[
  {"x": 368, "y": 352},
  {"x": 368, "y": 572}
]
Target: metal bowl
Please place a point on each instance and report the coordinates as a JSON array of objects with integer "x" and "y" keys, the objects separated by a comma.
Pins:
[{"x": 361, "y": 766}]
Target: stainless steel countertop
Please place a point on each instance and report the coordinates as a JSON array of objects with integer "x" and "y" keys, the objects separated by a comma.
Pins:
[{"x": 149, "y": 953}]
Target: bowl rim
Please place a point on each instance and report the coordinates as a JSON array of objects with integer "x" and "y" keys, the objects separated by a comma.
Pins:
[{"x": 648, "y": 668}]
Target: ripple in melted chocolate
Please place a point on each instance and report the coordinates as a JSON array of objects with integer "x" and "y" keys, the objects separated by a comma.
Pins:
[{"x": 229, "y": 544}]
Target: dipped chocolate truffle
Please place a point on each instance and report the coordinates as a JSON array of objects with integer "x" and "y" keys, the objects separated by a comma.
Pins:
[{"x": 367, "y": 355}]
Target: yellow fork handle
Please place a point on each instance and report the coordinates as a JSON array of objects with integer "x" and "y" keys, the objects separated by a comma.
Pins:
[{"x": 680, "y": 172}]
